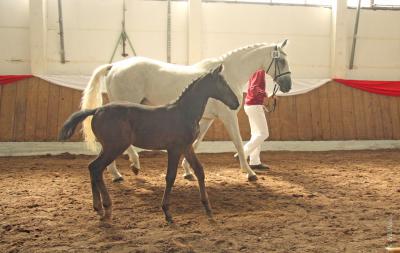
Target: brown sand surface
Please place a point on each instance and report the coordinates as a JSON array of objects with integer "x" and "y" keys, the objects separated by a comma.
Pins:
[{"x": 338, "y": 201}]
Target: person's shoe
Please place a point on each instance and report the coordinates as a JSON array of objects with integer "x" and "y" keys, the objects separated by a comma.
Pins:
[{"x": 261, "y": 166}]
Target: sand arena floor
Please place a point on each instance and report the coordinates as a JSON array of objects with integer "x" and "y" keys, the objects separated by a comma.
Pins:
[{"x": 307, "y": 202}]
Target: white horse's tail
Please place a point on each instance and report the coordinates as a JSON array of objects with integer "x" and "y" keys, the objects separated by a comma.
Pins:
[{"x": 91, "y": 99}]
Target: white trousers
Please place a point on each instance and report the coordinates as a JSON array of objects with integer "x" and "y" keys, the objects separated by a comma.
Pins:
[{"x": 259, "y": 132}]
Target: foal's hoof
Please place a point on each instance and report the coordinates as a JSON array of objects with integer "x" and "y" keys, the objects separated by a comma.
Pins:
[
  {"x": 105, "y": 224},
  {"x": 134, "y": 169},
  {"x": 118, "y": 179},
  {"x": 105, "y": 219},
  {"x": 212, "y": 221},
  {"x": 107, "y": 215},
  {"x": 189, "y": 177},
  {"x": 252, "y": 178},
  {"x": 99, "y": 211},
  {"x": 169, "y": 220}
]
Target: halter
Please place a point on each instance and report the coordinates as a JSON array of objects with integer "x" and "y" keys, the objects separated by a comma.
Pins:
[{"x": 275, "y": 55}]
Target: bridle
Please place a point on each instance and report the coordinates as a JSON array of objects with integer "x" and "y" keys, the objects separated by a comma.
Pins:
[{"x": 275, "y": 56}]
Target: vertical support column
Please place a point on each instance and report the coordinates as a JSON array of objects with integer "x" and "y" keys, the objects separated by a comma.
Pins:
[
  {"x": 38, "y": 36},
  {"x": 61, "y": 27},
  {"x": 353, "y": 46},
  {"x": 169, "y": 31},
  {"x": 194, "y": 31},
  {"x": 339, "y": 39}
]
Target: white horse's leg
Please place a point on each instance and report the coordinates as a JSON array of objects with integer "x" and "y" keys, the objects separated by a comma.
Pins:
[
  {"x": 230, "y": 120},
  {"x": 120, "y": 88},
  {"x": 204, "y": 126},
  {"x": 134, "y": 158},
  {"x": 116, "y": 176}
]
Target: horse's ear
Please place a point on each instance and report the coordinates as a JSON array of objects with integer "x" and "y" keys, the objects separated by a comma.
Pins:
[{"x": 284, "y": 43}]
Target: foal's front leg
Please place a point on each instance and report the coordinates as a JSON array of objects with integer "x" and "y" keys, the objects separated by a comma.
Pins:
[
  {"x": 199, "y": 172},
  {"x": 205, "y": 124},
  {"x": 173, "y": 160}
]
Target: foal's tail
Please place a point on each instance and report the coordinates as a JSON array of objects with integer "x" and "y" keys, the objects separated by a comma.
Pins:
[
  {"x": 92, "y": 98},
  {"x": 69, "y": 126}
]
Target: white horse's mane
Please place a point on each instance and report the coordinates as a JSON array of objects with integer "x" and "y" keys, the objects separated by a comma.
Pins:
[
  {"x": 203, "y": 65},
  {"x": 249, "y": 47},
  {"x": 211, "y": 62}
]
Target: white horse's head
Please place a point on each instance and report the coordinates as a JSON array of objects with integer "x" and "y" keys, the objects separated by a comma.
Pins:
[
  {"x": 278, "y": 67},
  {"x": 241, "y": 63}
]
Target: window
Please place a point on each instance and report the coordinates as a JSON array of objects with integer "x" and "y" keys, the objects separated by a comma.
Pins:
[
  {"x": 390, "y": 3},
  {"x": 319, "y": 2},
  {"x": 354, "y": 3},
  {"x": 375, "y": 3},
  {"x": 290, "y": 2}
]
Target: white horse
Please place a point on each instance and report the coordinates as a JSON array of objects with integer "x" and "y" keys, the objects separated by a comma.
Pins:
[{"x": 147, "y": 81}]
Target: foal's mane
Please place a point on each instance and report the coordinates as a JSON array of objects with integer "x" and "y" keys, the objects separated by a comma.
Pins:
[{"x": 190, "y": 87}]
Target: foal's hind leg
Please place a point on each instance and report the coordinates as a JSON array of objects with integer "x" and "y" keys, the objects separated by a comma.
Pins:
[
  {"x": 199, "y": 171},
  {"x": 97, "y": 206},
  {"x": 97, "y": 167},
  {"x": 173, "y": 160}
]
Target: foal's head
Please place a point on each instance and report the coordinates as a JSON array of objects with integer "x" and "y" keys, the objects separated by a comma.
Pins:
[{"x": 220, "y": 90}]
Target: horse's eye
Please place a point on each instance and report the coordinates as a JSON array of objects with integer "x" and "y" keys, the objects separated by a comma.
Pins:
[{"x": 282, "y": 62}]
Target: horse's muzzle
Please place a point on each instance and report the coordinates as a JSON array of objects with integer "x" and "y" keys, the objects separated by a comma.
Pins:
[
  {"x": 234, "y": 105},
  {"x": 285, "y": 83}
]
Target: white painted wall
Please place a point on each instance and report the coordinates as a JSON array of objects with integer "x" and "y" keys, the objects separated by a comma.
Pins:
[
  {"x": 228, "y": 26},
  {"x": 92, "y": 28},
  {"x": 377, "y": 54},
  {"x": 14, "y": 37}
]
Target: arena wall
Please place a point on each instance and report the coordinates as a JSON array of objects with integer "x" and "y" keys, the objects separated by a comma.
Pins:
[
  {"x": 34, "y": 110},
  {"x": 92, "y": 27}
]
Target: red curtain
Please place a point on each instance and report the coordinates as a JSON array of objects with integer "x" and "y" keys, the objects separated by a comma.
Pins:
[
  {"x": 388, "y": 88},
  {"x": 6, "y": 79}
]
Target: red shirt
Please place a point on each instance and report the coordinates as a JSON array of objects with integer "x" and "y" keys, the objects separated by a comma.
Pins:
[{"x": 256, "y": 90}]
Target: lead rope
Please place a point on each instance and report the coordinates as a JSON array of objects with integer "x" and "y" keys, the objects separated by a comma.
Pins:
[{"x": 271, "y": 108}]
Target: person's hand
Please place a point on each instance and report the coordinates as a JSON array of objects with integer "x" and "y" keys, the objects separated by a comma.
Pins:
[
  {"x": 268, "y": 100},
  {"x": 265, "y": 101}
]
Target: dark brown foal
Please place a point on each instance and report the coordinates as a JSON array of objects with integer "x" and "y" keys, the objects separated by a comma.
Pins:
[{"x": 173, "y": 127}]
